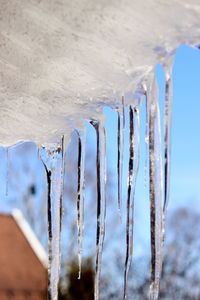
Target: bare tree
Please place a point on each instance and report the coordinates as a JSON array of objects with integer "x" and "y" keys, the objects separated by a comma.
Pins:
[{"x": 181, "y": 262}]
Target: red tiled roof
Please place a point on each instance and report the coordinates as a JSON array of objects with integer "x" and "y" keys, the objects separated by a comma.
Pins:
[{"x": 22, "y": 275}]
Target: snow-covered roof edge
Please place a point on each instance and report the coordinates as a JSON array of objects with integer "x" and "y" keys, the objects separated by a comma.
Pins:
[{"x": 31, "y": 237}]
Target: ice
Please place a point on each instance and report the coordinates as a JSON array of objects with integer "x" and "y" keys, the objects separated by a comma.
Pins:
[
  {"x": 120, "y": 152},
  {"x": 146, "y": 140},
  {"x": 155, "y": 187},
  {"x": 119, "y": 163},
  {"x": 167, "y": 132},
  {"x": 52, "y": 159},
  {"x": 62, "y": 61},
  {"x": 80, "y": 194},
  {"x": 101, "y": 199},
  {"x": 134, "y": 142},
  {"x": 7, "y": 170}
]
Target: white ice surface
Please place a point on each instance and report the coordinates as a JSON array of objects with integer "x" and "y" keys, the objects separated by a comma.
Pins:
[{"x": 62, "y": 60}]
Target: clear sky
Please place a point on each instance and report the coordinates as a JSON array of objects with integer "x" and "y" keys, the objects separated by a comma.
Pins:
[{"x": 185, "y": 175}]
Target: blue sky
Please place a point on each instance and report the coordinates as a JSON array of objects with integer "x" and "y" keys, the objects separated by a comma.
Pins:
[{"x": 185, "y": 175}]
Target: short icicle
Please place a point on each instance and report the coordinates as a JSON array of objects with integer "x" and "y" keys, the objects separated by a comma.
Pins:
[
  {"x": 80, "y": 194},
  {"x": 155, "y": 188},
  {"x": 101, "y": 199},
  {"x": 134, "y": 142},
  {"x": 52, "y": 159},
  {"x": 167, "y": 135},
  {"x": 7, "y": 170},
  {"x": 120, "y": 153}
]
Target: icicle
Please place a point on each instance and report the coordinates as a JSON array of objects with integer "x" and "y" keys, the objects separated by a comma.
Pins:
[
  {"x": 80, "y": 194},
  {"x": 7, "y": 170},
  {"x": 48, "y": 173},
  {"x": 133, "y": 171},
  {"x": 53, "y": 162},
  {"x": 167, "y": 136},
  {"x": 101, "y": 199},
  {"x": 155, "y": 186},
  {"x": 146, "y": 148},
  {"x": 62, "y": 149},
  {"x": 119, "y": 162},
  {"x": 120, "y": 153}
]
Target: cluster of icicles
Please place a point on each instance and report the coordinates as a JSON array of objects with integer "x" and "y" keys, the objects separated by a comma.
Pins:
[{"x": 53, "y": 160}]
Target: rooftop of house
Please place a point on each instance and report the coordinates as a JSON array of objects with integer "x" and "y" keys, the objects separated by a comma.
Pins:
[{"x": 23, "y": 261}]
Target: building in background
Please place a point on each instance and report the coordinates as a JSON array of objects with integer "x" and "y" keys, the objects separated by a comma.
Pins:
[{"x": 23, "y": 261}]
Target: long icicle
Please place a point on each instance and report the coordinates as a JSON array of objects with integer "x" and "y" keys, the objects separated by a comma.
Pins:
[
  {"x": 155, "y": 189},
  {"x": 80, "y": 195},
  {"x": 132, "y": 177},
  {"x": 49, "y": 218},
  {"x": 101, "y": 199},
  {"x": 119, "y": 162},
  {"x": 146, "y": 142},
  {"x": 167, "y": 137},
  {"x": 53, "y": 162},
  {"x": 62, "y": 149},
  {"x": 120, "y": 154}
]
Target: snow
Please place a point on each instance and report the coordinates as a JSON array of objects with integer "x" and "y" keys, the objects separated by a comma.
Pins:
[{"x": 62, "y": 61}]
